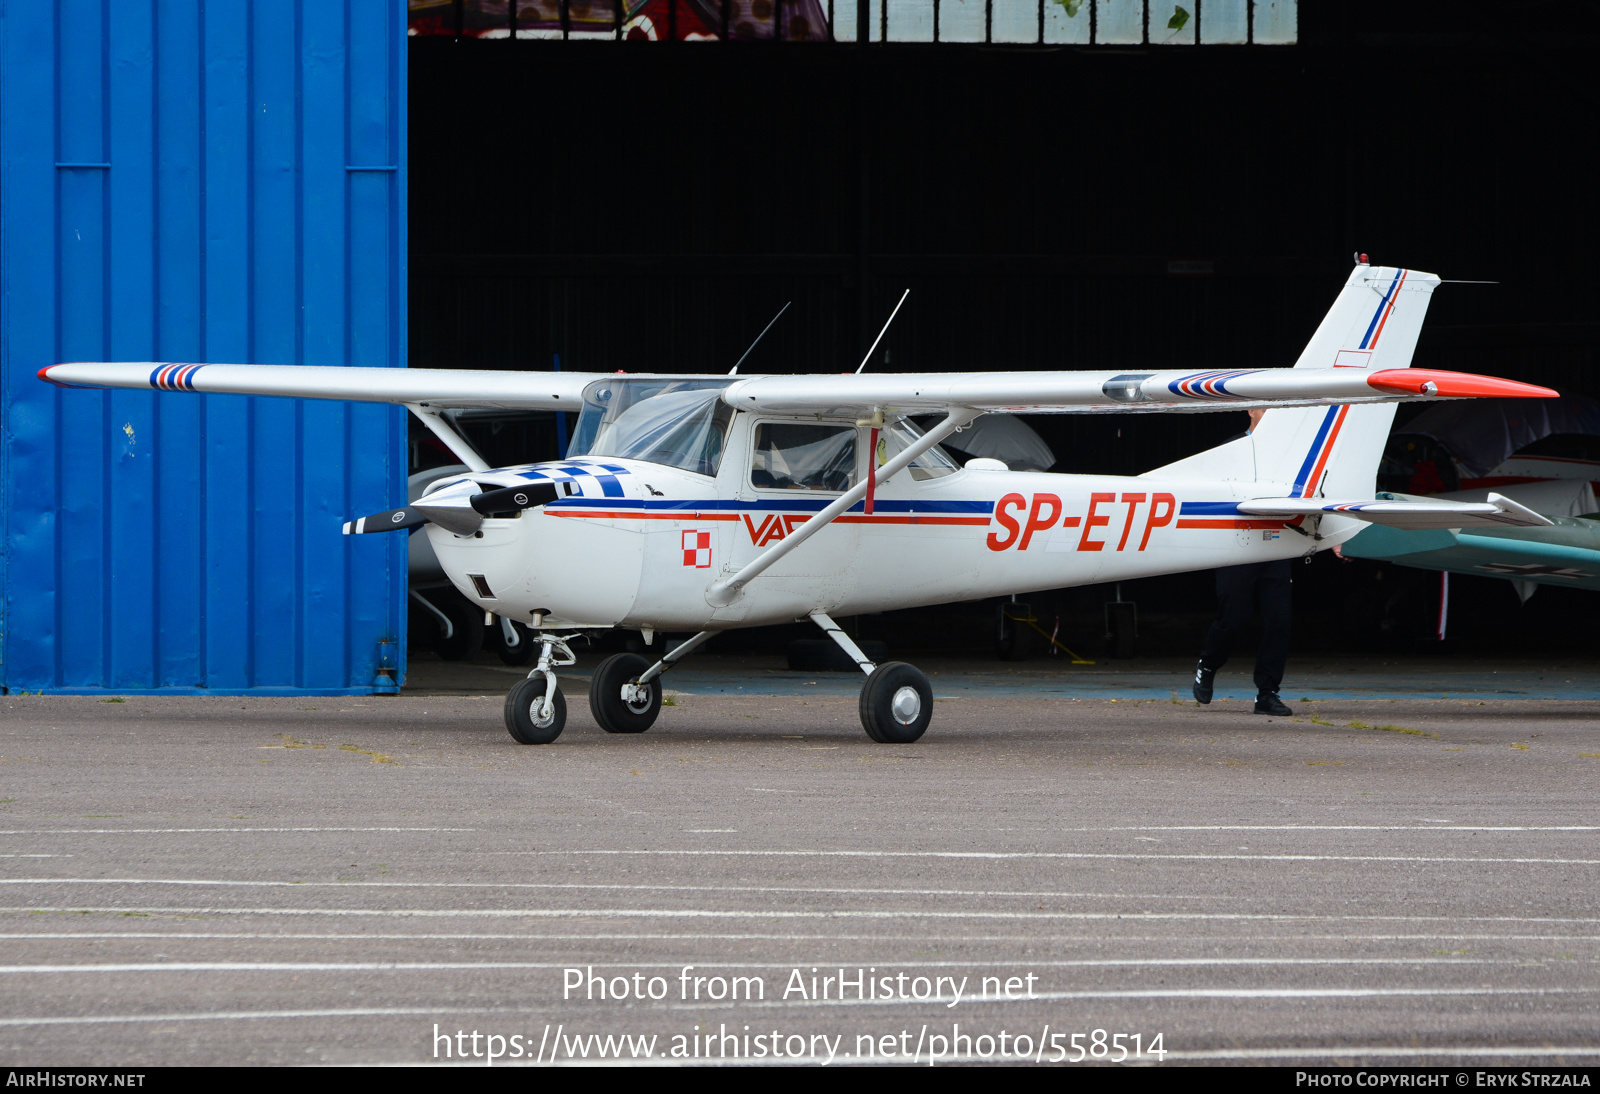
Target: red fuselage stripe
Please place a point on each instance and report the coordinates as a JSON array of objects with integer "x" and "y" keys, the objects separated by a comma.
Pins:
[{"x": 1196, "y": 522}]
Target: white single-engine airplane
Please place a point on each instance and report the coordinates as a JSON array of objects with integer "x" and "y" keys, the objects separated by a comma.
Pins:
[{"x": 690, "y": 503}]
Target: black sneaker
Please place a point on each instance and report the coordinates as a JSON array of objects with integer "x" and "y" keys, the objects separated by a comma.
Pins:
[
  {"x": 1202, "y": 683},
  {"x": 1269, "y": 703}
]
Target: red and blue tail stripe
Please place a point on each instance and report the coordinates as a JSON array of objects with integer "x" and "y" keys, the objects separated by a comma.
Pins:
[
  {"x": 179, "y": 377},
  {"x": 1316, "y": 461},
  {"x": 1369, "y": 340},
  {"x": 1209, "y": 385}
]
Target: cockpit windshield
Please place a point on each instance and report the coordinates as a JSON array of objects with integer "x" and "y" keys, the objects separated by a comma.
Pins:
[{"x": 679, "y": 423}]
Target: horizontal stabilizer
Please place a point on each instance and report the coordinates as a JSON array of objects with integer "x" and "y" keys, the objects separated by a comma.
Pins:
[
  {"x": 1408, "y": 513},
  {"x": 390, "y": 520}
]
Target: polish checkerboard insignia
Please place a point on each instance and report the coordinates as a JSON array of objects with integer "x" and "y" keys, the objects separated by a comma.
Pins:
[{"x": 697, "y": 549}]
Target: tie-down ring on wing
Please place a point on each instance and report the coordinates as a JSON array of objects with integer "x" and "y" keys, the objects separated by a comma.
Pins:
[
  {"x": 461, "y": 507},
  {"x": 1411, "y": 513}
]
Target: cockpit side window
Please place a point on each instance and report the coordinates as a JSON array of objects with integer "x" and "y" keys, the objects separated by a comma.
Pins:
[{"x": 801, "y": 456}]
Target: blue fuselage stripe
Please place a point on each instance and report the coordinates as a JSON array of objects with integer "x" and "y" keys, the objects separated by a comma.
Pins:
[{"x": 803, "y": 505}]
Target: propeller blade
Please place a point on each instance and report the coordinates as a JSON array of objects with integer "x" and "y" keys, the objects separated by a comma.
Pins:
[
  {"x": 459, "y": 513},
  {"x": 451, "y": 515},
  {"x": 509, "y": 499},
  {"x": 387, "y": 521}
]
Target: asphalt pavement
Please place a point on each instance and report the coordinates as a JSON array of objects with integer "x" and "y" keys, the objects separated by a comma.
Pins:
[{"x": 358, "y": 880}]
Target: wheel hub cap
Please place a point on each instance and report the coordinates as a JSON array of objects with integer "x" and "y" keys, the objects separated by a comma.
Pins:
[
  {"x": 636, "y": 697},
  {"x": 907, "y": 705}
]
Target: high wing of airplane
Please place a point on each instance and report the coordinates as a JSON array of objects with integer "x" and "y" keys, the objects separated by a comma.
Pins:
[{"x": 706, "y": 503}]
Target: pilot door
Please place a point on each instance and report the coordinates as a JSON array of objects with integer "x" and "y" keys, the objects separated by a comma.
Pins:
[{"x": 790, "y": 472}]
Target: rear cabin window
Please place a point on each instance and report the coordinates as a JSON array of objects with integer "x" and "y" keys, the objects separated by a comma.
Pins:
[
  {"x": 896, "y": 436},
  {"x": 793, "y": 456}
]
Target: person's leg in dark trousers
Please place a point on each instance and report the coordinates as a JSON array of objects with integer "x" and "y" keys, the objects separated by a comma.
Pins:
[
  {"x": 1273, "y": 602},
  {"x": 1236, "y": 597}
]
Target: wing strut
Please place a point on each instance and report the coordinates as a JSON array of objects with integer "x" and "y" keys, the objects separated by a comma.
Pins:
[
  {"x": 454, "y": 441},
  {"x": 726, "y": 592}
]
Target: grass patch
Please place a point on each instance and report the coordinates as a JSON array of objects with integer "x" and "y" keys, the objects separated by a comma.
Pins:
[
  {"x": 1393, "y": 729},
  {"x": 113, "y": 700},
  {"x": 669, "y": 700},
  {"x": 1321, "y": 721},
  {"x": 377, "y": 757}
]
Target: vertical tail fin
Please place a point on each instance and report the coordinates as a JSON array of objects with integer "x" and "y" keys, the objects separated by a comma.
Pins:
[
  {"x": 1374, "y": 322},
  {"x": 1332, "y": 451}
]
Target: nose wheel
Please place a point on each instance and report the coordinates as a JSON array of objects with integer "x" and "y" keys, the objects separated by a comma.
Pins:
[
  {"x": 896, "y": 704},
  {"x": 536, "y": 711},
  {"x": 527, "y": 717}
]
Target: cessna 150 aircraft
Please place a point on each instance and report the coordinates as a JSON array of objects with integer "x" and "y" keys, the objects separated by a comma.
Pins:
[{"x": 704, "y": 503}]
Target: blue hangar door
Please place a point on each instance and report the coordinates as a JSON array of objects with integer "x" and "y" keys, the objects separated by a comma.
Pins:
[{"x": 193, "y": 181}]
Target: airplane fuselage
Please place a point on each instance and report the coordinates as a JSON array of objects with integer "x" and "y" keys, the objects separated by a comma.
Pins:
[{"x": 641, "y": 544}]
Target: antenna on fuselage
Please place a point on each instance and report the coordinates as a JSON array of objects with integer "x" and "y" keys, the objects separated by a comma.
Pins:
[
  {"x": 882, "y": 332},
  {"x": 734, "y": 371}
]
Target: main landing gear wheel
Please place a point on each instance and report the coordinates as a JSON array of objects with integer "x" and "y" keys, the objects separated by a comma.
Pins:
[
  {"x": 525, "y": 717},
  {"x": 466, "y": 630},
  {"x": 896, "y": 704},
  {"x": 523, "y": 652},
  {"x": 618, "y": 703}
]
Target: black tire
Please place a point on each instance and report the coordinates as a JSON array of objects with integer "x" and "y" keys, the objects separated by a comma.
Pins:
[
  {"x": 523, "y": 722},
  {"x": 1014, "y": 638},
  {"x": 522, "y": 653},
  {"x": 605, "y": 695},
  {"x": 889, "y": 714},
  {"x": 466, "y": 638}
]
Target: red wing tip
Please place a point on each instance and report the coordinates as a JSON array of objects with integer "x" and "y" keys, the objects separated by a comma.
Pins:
[
  {"x": 1425, "y": 381},
  {"x": 44, "y": 374}
]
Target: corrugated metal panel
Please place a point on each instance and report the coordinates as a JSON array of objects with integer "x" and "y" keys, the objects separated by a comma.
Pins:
[{"x": 199, "y": 182}]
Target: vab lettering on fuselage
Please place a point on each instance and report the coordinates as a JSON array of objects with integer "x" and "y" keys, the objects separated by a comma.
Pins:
[{"x": 705, "y": 503}]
